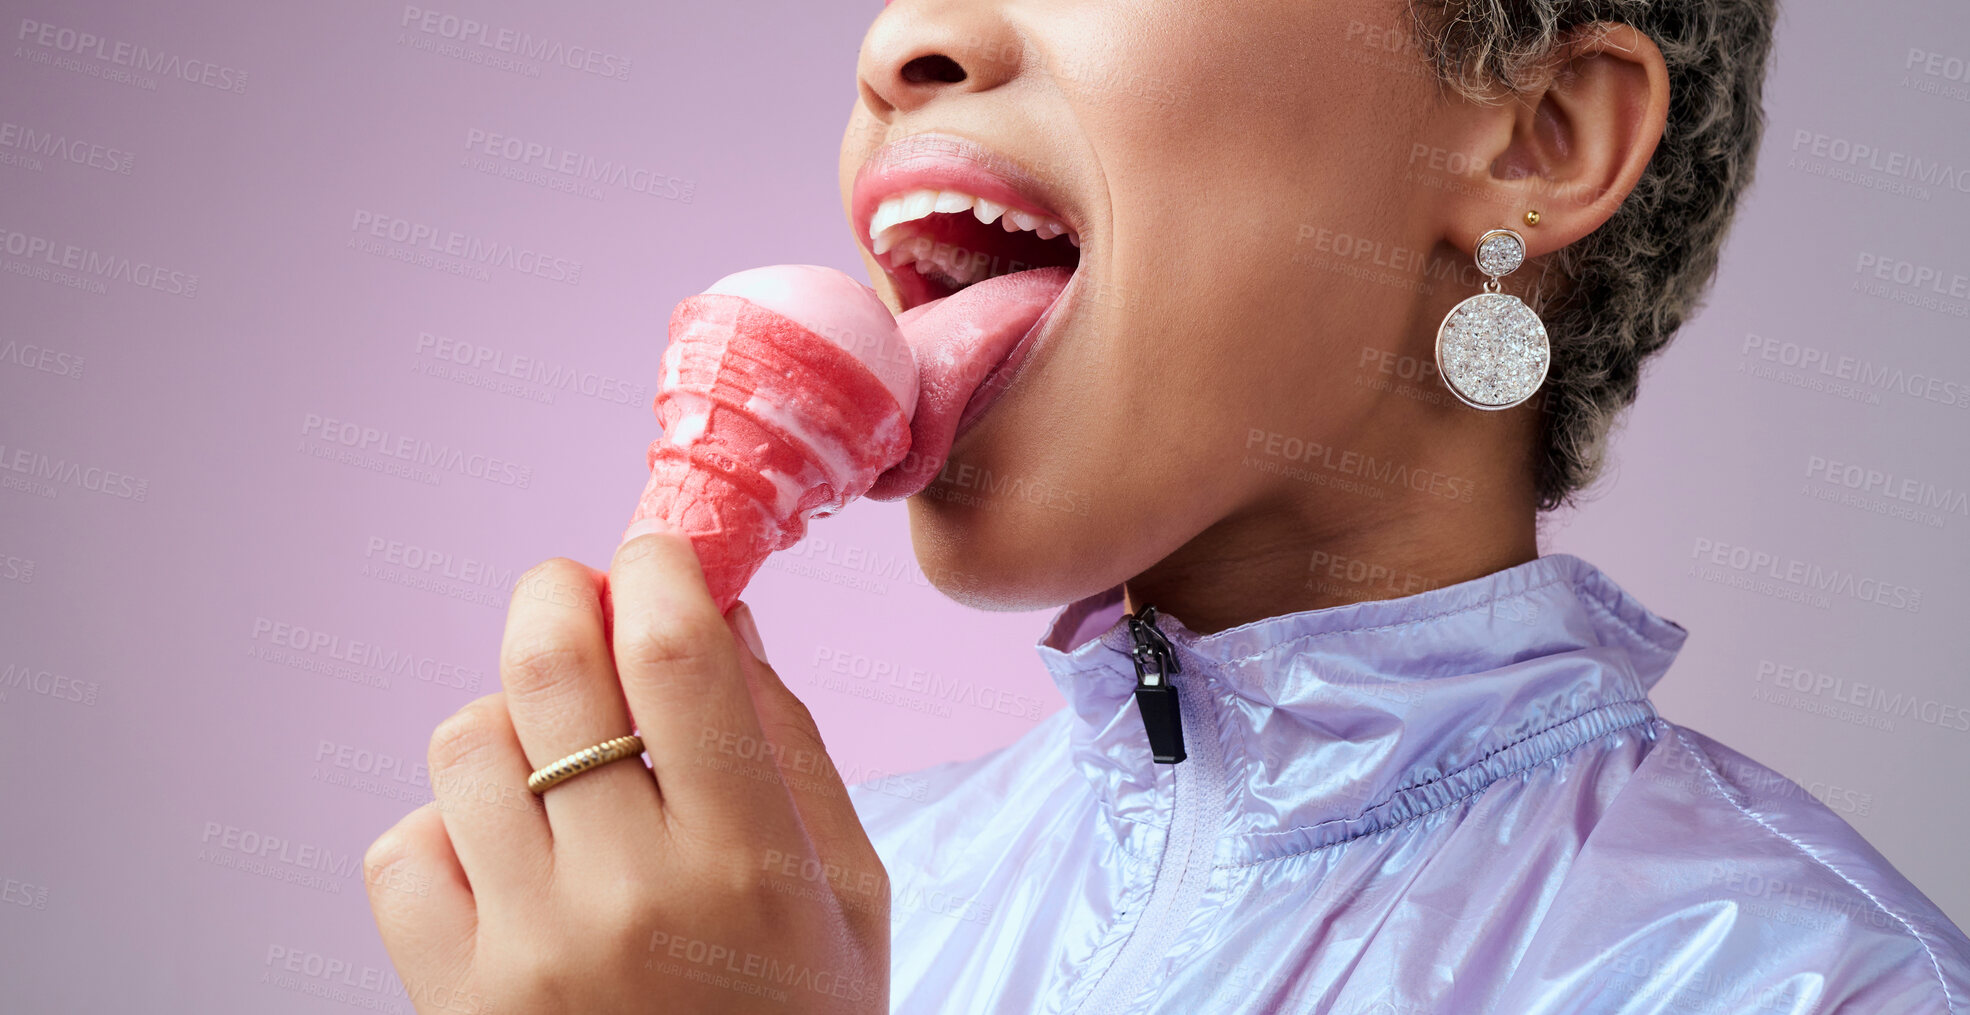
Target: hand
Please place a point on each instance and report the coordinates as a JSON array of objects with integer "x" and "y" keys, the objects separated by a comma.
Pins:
[{"x": 730, "y": 875}]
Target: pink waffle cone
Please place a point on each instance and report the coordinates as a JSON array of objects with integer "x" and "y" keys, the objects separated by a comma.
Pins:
[{"x": 766, "y": 424}]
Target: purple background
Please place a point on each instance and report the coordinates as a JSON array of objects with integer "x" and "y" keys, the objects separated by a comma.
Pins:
[{"x": 167, "y": 527}]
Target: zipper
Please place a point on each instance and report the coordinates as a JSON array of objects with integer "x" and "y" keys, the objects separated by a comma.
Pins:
[
  {"x": 1155, "y": 696},
  {"x": 1183, "y": 872}
]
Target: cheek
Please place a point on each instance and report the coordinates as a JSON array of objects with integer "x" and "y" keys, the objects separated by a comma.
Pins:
[{"x": 1248, "y": 111}]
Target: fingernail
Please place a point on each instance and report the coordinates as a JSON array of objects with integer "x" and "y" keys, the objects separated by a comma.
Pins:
[
  {"x": 645, "y": 526},
  {"x": 748, "y": 631}
]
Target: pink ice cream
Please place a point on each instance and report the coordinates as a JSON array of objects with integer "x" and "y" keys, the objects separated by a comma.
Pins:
[
  {"x": 790, "y": 391},
  {"x": 786, "y": 391}
]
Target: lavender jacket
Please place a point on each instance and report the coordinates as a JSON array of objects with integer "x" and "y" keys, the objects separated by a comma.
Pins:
[{"x": 1460, "y": 801}]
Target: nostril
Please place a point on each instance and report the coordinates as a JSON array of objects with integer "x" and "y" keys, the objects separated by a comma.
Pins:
[{"x": 935, "y": 67}]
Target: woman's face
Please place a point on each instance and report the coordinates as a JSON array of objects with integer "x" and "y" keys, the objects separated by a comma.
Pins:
[{"x": 1255, "y": 191}]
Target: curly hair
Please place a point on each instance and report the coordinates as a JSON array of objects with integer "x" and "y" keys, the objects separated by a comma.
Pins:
[{"x": 1631, "y": 283}]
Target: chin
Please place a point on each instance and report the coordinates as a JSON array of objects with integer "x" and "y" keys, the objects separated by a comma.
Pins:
[{"x": 1007, "y": 556}]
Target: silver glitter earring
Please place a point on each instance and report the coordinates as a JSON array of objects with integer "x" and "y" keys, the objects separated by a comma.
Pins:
[{"x": 1491, "y": 349}]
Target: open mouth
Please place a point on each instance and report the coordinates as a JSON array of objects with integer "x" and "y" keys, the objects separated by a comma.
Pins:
[
  {"x": 934, "y": 243},
  {"x": 981, "y": 254}
]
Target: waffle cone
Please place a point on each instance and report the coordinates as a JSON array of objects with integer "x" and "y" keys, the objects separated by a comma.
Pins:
[{"x": 766, "y": 424}]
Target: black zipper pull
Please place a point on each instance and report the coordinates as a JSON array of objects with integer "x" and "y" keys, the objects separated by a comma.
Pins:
[{"x": 1155, "y": 697}]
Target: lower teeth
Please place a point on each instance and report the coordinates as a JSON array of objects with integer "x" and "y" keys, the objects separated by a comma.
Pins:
[{"x": 939, "y": 277}]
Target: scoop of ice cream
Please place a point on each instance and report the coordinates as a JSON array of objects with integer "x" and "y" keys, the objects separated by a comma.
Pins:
[{"x": 837, "y": 308}]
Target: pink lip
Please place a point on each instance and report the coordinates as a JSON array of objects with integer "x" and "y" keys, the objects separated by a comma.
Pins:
[{"x": 932, "y": 161}]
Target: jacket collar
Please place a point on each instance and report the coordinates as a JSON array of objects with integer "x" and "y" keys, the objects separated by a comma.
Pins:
[{"x": 1337, "y": 722}]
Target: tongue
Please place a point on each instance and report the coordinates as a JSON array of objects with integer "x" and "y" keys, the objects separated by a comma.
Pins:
[{"x": 957, "y": 341}]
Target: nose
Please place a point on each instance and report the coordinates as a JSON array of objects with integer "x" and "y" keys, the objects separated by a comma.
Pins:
[{"x": 920, "y": 49}]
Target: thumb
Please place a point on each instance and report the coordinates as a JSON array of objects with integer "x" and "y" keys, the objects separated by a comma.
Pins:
[{"x": 809, "y": 773}]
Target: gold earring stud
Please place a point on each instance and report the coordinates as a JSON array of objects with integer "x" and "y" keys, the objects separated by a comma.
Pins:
[{"x": 1532, "y": 217}]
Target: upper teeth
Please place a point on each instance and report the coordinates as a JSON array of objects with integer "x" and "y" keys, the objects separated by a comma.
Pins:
[{"x": 891, "y": 222}]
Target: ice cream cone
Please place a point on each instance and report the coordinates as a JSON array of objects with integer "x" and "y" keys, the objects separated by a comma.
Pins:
[{"x": 766, "y": 424}]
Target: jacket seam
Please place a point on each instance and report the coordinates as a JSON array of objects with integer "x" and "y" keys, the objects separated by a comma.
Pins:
[
  {"x": 1118, "y": 937},
  {"x": 1245, "y": 748},
  {"x": 1470, "y": 794},
  {"x": 1710, "y": 771},
  {"x": 1635, "y": 634},
  {"x": 1484, "y": 603},
  {"x": 1502, "y": 748}
]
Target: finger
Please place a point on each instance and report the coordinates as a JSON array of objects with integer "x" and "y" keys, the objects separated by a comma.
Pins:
[
  {"x": 846, "y": 859},
  {"x": 479, "y": 777},
  {"x": 819, "y": 794},
  {"x": 419, "y": 895},
  {"x": 679, "y": 667},
  {"x": 563, "y": 695}
]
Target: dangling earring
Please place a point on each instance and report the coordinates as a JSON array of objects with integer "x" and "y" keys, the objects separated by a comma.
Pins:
[{"x": 1491, "y": 349}]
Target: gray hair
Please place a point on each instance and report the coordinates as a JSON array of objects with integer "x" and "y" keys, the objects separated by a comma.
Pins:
[{"x": 1629, "y": 284}]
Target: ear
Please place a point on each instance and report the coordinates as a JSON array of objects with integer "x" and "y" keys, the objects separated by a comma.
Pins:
[{"x": 1572, "y": 149}]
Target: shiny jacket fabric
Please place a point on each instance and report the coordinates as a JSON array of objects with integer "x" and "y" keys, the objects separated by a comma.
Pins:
[{"x": 1460, "y": 801}]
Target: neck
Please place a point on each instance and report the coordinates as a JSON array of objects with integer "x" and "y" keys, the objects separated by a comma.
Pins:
[{"x": 1263, "y": 562}]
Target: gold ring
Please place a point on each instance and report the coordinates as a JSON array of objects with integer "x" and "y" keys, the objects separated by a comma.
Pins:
[{"x": 583, "y": 760}]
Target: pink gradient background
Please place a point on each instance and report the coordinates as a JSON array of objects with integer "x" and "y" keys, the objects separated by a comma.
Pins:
[{"x": 156, "y": 610}]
